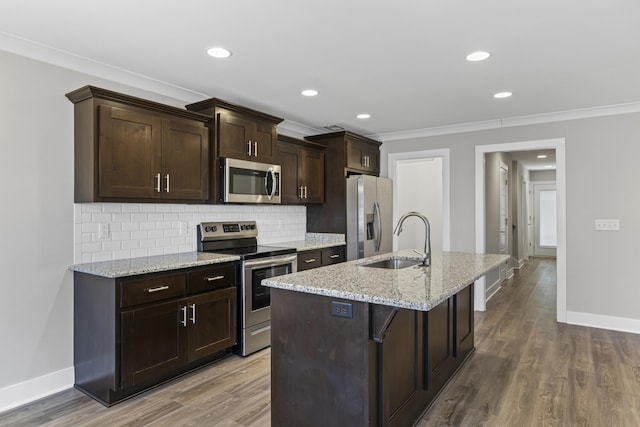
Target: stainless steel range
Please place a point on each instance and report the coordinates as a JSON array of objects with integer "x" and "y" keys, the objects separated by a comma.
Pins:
[{"x": 258, "y": 263}]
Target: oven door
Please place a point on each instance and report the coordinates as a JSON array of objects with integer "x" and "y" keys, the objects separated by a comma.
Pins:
[
  {"x": 249, "y": 182},
  {"x": 256, "y": 299}
]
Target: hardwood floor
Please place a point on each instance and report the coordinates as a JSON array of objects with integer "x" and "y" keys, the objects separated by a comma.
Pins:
[{"x": 527, "y": 370}]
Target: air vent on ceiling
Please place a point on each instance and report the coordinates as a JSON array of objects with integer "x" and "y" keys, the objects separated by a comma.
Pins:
[{"x": 333, "y": 128}]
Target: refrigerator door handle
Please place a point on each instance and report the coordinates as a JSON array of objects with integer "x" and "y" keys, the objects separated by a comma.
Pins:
[{"x": 378, "y": 220}]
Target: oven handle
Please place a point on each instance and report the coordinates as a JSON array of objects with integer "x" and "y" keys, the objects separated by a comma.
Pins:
[{"x": 271, "y": 261}]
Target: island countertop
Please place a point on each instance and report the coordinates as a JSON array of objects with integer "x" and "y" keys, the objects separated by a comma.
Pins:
[{"x": 416, "y": 287}]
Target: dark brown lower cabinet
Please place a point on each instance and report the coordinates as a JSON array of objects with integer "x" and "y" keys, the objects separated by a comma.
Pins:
[
  {"x": 133, "y": 333},
  {"x": 381, "y": 367}
]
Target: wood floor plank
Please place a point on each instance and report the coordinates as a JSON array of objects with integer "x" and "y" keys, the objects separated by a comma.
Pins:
[{"x": 527, "y": 370}]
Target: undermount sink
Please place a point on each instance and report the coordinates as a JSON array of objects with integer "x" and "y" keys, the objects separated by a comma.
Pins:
[{"x": 393, "y": 263}]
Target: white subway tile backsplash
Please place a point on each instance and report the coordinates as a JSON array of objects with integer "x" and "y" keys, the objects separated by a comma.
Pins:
[{"x": 145, "y": 229}]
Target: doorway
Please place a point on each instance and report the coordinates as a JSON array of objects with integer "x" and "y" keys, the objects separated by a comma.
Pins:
[
  {"x": 421, "y": 183},
  {"x": 503, "y": 218},
  {"x": 559, "y": 146}
]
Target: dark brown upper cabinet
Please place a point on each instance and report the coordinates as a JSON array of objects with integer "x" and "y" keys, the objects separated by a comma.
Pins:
[
  {"x": 239, "y": 133},
  {"x": 302, "y": 173},
  {"x": 129, "y": 149},
  {"x": 347, "y": 153}
]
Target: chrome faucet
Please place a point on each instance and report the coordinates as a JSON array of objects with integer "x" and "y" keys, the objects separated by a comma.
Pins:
[{"x": 426, "y": 256}]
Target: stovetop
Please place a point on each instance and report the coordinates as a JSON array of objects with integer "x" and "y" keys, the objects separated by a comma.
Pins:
[{"x": 236, "y": 238}]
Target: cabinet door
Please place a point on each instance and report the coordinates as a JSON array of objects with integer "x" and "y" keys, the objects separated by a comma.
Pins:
[
  {"x": 333, "y": 255},
  {"x": 363, "y": 156},
  {"x": 153, "y": 342},
  {"x": 309, "y": 259},
  {"x": 130, "y": 146},
  {"x": 234, "y": 132},
  {"x": 313, "y": 176},
  {"x": 264, "y": 142},
  {"x": 185, "y": 160},
  {"x": 438, "y": 346},
  {"x": 289, "y": 177},
  {"x": 212, "y": 323},
  {"x": 401, "y": 380},
  {"x": 463, "y": 302}
]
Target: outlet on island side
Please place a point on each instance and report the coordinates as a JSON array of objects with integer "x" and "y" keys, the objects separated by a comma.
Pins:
[{"x": 342, "y": 309}]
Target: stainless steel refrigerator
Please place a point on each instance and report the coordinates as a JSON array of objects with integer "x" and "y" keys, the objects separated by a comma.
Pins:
[{"x": 369, "y": 216}]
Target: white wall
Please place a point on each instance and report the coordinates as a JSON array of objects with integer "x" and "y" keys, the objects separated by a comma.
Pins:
[
  {"x": 601, "y": 267},
  {"x": 37, "y": 224}
]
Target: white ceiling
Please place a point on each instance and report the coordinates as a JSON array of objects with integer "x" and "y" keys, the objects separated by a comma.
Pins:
[{"x": 401, "y": 61}]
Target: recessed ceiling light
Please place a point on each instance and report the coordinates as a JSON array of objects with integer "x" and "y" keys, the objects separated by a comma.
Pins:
[
  {"x": 219, "y": 52},
  {"x": 542, "y": 156},
  {"x": 363, "y": 116},
  {"x": 500, "y": 95},
  {"x": 478, "y": 56},
  {"x": 309, "y": 92}
]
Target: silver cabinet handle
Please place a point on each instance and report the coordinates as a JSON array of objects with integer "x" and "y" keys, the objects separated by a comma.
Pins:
[
  {"x": 184, "y": 316},
  {"x": 255, "y": 148},
  {"x": 193, "y": 313},
  {"x": 305, "y": 192},
  {"x": 157, "y": 289},
  {"x": 310, "y": 260},
  {"x": 334, "y": 256},
  {"x": 249, "y": 148},
  {"x": 211, "y": 279},
  {"x": 167, "y": 179},
  {"x": 158, "y": 182},
  {"x": 300, "y": 192}
]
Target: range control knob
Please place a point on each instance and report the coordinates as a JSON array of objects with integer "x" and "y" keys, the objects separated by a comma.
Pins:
[{"x": 253, "y": 226}]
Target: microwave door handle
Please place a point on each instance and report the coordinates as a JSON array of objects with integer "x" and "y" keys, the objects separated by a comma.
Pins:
[
  {"x": 266, "y": 184},
  {"x": 270, "y": 192},
  {"x": 274, "y": 185}
]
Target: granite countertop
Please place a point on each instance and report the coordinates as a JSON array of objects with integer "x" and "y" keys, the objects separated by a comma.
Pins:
[
  {"x": 415, "y": 287},
  {"x": 152, "y": 264},
  {"x": 314, "y": 241}
]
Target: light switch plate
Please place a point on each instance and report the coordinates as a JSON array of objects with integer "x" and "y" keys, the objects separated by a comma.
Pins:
[
  {"x": 103, "y": 230},
  {"x": 607, "y": 225}
]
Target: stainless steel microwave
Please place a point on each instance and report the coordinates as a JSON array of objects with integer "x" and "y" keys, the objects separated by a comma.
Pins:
[{"x": 249, "y": 182}]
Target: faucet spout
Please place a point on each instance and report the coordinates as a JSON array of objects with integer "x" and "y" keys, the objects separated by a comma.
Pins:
[{"x": 426, "y": 255}]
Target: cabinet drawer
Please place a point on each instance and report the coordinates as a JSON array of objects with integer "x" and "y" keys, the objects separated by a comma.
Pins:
[
  {"x": 332, "y": 255},
  {"x": 150, "y": 289},
  {"x": 218, "y": 277},
  {"x": 308, "y": 260}
]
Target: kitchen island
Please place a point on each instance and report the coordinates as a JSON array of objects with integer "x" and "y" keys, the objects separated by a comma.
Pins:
[{"x": 357, "y": 345}]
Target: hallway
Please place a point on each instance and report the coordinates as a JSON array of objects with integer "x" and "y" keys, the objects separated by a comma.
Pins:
[{"x": 529, "y": 370}]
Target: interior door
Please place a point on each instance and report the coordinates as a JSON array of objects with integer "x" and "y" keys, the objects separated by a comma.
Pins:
[
  {"x": 504, "y": 219},
  {"x": 545, "y": 230}
]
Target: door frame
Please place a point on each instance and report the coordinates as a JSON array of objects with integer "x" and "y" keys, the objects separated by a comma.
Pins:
[
  {"x": 557, "y": 144},
  {"x": 503, "y": 270},
  {"x": 444, "y": 153}
]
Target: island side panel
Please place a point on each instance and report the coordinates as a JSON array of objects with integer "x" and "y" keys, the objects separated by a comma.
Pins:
[{"x": 322, "y": 365}]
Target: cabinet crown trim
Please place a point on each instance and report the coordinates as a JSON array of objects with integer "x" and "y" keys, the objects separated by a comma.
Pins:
[
  {"x": 344, "y": 134},
  {"x": 216, "y": 102},
  {"x": 87, "y": 92}
]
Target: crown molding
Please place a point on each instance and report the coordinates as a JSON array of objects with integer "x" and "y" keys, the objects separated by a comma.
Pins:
[
  {"x": 559, "y": 116},
  {"x": 298, "y": 130},
  {"x": 50, "y": 55}
]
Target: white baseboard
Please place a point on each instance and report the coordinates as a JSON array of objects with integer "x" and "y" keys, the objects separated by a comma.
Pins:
[
  {"x": 600, "y": 321},
  {"x": 520, "y": 263},
  {"x": 510, "y": 273},
  {"x": 36, "y": 388},
  {"x": 493, "y": 289}
]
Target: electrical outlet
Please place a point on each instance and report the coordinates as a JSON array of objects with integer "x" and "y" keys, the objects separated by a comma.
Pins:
[
  {"x": 342, "y": 309},
  {"x": 103, "y": 230},
  {"x": 607, "y": 225},
  {"x": 183, "y": 228}
]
